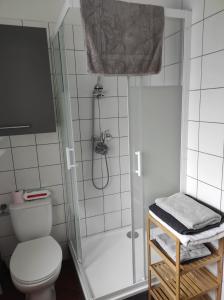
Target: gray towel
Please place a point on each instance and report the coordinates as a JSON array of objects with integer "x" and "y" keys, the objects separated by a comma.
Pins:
[
  {"x": 186, "y": 253},
  {"x": 123, "y": 38},
  {"x": 188, "y": 211}
]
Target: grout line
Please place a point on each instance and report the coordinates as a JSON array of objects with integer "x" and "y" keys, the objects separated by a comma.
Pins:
[
  {"x": 13, "y": 164},
  {"x": 81, "y": 150},
  {"x": 107, "y": 213},
  {"x": 35, "y": 167},
  {"x": 33, "y": 145},
  {"x": 212, "y": 15},
  {"x": 222, "y": 178},
  {"x": 205, "y": 89},
  {"x": 101, "y": 118},
  {"x": 206, "y": 122},
  {"x": 205, "y": 18},
  {"x": 37, "y": 161},
  {"x": 206, "y": 54},
  {"x": 123, "y": 136},
  {"x": 204, "y": 182},
  {"x": 102, "y": 181},
  {"x": 172, "y": 34},
  {"x": 202, "y": 42},
  {"x": 202, "y": 152},
  {"x": 172, "y": 64},
  {"x": 119, "y": 145}
]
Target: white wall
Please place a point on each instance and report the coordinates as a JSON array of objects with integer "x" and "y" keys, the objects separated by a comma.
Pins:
[
  {"x": 108, "y": 209},
  {"x": 39, "y": 10},
  {"x": 206, "y": 103},
  {"x": 28, "y": 162},
  {"x": 205, "y": 164},
  {"x": 43, "y": 168}
]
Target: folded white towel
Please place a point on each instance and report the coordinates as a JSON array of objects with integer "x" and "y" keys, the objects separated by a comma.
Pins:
[
  {"x": 186, "y": 253},
  {"x": 189, "y": 212},
  {"x": 194, "y": 239}
]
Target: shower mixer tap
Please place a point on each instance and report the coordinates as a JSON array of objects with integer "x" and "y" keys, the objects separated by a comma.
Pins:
[
  {"x": 105, "y": 136},
  {"x": 99, "y": 143},
  {"x": 101, "y": 146}
]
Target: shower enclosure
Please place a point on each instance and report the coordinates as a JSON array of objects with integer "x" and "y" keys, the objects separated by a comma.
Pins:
[{"x": 140, "y": 125}]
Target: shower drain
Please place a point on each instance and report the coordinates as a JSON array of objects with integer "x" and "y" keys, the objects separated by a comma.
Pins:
[{"x": 129, "y": 234}]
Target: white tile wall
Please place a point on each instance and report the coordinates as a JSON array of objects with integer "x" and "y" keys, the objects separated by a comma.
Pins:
[
  {"x": 23, "y": 140},
  {"x": 4, "y": 142},
  {"x": 210, "y": 142},
  {"x": 194, "y": 104},
  {"x": 6, "y": 162},
  {"x": 212, "y": 7},
  {"x": 196, "y": 39},
  {"x": 206, "y": 105},
  {"x": 111, "y": 113},
  {"x": 33, "y": 161},
  {"x": 113, "y": 220},
  {"x": 112, "y": 203},
  {"x": 24, "y": 157},
  {"x": 210, "y": 169},
  {"x": 172, "y": 49},
  {"x": 193, "y": 135},
  {"x": 213, "y": 65},
  {"x": 191, "y": 186},
  {"x": 213, "y": 42},
  {"x": 209, "y": 194},
  {"x": 197, "y": 8},
  {"x": 212, "y": 106},
  {"x": 94, "y": 207},
  {"x": 195, "y": 74},
  {"x": 27, "y": 178},
  {"x": 172, "y": 75},
  {"x": 172, "y": 26},
  {"x": 171, "y": 59},
  {"x": 192, "y": 161},
  {"x": 28, "y": 162},
  {"x": 95, "y": 225}
]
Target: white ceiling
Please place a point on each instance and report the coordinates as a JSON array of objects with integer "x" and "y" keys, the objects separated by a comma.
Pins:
[
  {"x": 41, "y": 10},
  {"x": 48, "y": 10}
]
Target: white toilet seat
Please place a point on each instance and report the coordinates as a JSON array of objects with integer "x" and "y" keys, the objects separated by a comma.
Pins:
[{"x": 35, "y": 262}]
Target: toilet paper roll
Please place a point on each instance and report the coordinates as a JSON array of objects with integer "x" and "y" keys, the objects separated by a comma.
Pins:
[{"x": 17, "y": 197}]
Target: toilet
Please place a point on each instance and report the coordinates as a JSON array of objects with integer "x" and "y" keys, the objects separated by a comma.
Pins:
[{"x": 36, "y": 262}]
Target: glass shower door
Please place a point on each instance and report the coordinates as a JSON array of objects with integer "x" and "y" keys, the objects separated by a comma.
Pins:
[
  {"x": 155, "y": 146},
  {"x": 137, "y": 199},
  {"x": 64, "y": 120}
]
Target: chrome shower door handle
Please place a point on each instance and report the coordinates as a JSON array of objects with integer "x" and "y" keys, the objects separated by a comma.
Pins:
[
  {"x": 68, "y": 157},
  {"x": 139, "y": 163}
]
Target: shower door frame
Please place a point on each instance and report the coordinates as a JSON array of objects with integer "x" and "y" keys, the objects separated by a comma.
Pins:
[{"x": 185, "y": 16}]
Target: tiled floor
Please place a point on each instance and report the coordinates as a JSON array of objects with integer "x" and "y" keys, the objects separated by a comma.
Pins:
[{"x": 67, "y": 286}]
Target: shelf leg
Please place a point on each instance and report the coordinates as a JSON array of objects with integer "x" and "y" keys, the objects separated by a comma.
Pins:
[
  {"x": 220, "y": 269},
  {"x": 149, "y": 257},
  {"x": 177, "y": 270}
]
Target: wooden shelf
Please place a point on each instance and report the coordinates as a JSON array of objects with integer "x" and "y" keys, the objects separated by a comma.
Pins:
[
  {"x": 185, "y": 268},
  {"x": 183, "y": 281},
  {"x": 159, "y": 293},
  {"x": 193, "y": 284}
]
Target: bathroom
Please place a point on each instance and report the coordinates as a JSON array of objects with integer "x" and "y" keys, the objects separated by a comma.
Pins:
[{"x": 185, "y": 136}]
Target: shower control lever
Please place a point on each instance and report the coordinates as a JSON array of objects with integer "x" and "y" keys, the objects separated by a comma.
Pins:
[{"x": 139, "y": 163}]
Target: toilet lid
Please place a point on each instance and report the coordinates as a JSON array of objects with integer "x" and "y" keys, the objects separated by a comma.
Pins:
[{"x": 35, "y": 260}]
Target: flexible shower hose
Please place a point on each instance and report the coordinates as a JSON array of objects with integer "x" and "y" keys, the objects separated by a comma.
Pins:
[{"x": 93, "y": 149}]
